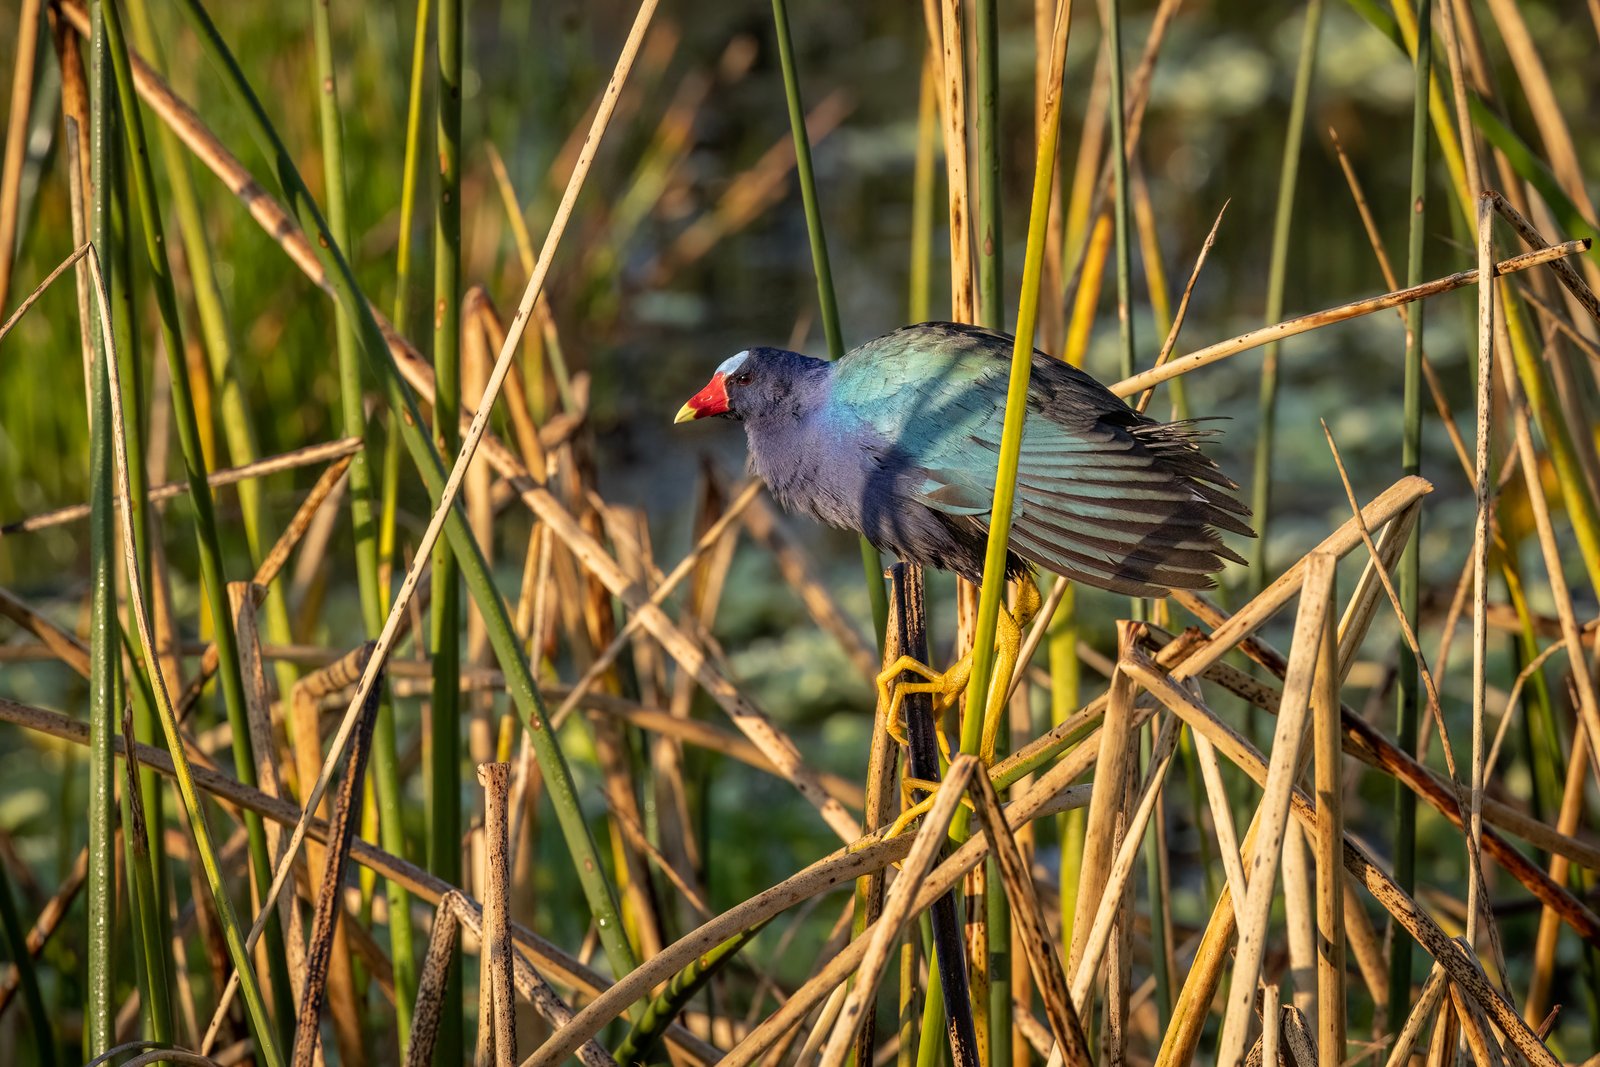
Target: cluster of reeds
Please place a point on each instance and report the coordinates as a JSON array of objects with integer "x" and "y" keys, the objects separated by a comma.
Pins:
[{"x": 569, "y": 900}]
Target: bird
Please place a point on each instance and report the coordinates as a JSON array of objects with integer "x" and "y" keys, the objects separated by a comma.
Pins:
[{"x": 899, "y": 441}]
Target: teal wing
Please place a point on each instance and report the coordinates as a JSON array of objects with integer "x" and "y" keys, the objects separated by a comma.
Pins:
[{"x": 1104, "y": 495}]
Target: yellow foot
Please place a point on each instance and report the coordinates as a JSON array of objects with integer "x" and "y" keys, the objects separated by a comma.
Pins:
[
  {"x": 944, "y": 686},
  {"x": 913, "y": 811},
  {"x": 948, "y": 685}
]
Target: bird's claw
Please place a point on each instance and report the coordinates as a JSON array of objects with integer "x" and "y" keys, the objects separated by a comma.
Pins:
[
  {"x": 943, "y": 686},
  {"x": 913, "y": 811},
  {"x": 948, "y": 685}
]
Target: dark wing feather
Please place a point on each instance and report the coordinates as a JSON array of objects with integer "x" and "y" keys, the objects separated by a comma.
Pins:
[{"x": 1105, "y": 495}]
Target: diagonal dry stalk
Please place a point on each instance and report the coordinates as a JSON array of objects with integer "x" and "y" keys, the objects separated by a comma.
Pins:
[
  {"x": 1111, "y": 763},
  {"x": 469, "y": 443},
  {"x": 1097, "y": 935},
  {"x": 1315, "y": 616},
  {"x": 277, "y": 222},
  {"x": 238, "y": 949},
  {"x": 557, "y": 963},
  {"x": 1143, "y": 403},
  {"x": 309, "y": 456},
  {"x": 60, "y": 643},
  {"x": 271, "y": 564},
  {"x": 346, "y": 816},
  {"x": 1341, "y": 313},
  {"x": 1366, "y": 743},
  {"x": 39, "y": 290},
  {"x": 1461, "y": 967},
  {"x": 897, "y": 910},
  {"x": 1065, "y": 1021}
]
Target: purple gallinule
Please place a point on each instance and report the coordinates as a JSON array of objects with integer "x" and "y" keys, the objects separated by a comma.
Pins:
[{"x": 899, "y": 441}]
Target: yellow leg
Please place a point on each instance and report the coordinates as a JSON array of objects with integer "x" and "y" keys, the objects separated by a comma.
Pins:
[
  {"x": 1007, "y": 648},
  {"x": 946, "y": 686},
  {"x": 913, "y": 811}
]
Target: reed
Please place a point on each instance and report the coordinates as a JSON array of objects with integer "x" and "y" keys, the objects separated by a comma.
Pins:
[
  {"x": 103, "y": 645},
  {"x": 1408, "y": 706},
  {"x": 827, "y": 300},
  {"x": 445, "y": 615}
]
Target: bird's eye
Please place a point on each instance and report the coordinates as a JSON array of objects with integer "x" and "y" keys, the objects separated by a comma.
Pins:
[{"x": 743, "y": 378}]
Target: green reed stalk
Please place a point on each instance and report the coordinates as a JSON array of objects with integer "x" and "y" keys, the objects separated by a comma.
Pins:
[
  {"x": 598, "y": 891},
  {"x": 993, "y": 587},
  {"x": 146, "y": 903},
  {"x": 411, "y": 171},
  {"x": 386, "y": 786},
  {"x": 1061, "y": 637},
  {"x": 150, "y": 944},
  {"x": 871, "y": 563},
  {"x": 255, "y": 1005},
  {"x": 1582, "y": 507},
  {"x": 145, "y": 872},
  {"x": 444, "y": 754},
  {"x": 907, "y": 1003},
  {"x": 235, "y": 416},
  {"x": 642, "y": 1041},
  {"x": 145, "y": 726},
  {"x": 213, "y": 576},
  {"x": 98, "y": 1006},
  {"x": 1408, "y": 706},
  {"x": 932, "y": 1047},
  {"x": 991, "y": 235},
  {"x": 386, "y": 762},
  {"x": 991, "y": 313},
  {"x": 1119, "y": 174},
  {"x": 929, "y": 1047},
  {"x": 1288, "y": 178},
  {"x": 1005, "y": 486}
]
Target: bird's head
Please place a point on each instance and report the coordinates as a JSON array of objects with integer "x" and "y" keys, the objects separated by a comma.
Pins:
[
  {"x": 759, "y": 385},
  {"x": 720, "y": 393}
]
